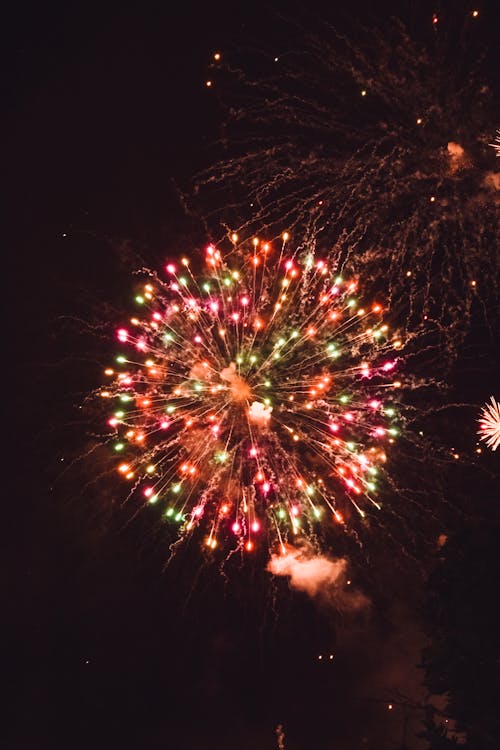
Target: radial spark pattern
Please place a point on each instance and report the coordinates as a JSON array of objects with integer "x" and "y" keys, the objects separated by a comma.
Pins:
[
  {"x": 489, "y": 424},
  {"x": 254, "y": 398}
]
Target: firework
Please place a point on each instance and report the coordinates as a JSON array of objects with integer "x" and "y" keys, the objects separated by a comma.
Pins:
[
  {"x": 378, "y": 149},
  {"x": 496, "y": 144},
  {"x": 254, "y": 398},
  {"x": 280, "y": 735},
  {"x": 489, "y": 424}
]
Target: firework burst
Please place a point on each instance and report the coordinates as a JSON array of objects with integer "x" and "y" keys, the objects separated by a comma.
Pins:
[
  {"x": 489, "y": 424},
  {"x": 379, "y": 149},
  {"x": 254, "y": 397}
]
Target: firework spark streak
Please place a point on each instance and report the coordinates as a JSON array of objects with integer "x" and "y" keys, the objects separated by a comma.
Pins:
[
  {"x": 379, "y": 149},
  {"x": 254, "y": 399},
  {"x": 489, "y": 424},
  {"x": 496, "y": 144}
]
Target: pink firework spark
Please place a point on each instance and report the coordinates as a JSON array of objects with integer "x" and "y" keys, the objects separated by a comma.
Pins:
[{"x": 489, "y": 424}]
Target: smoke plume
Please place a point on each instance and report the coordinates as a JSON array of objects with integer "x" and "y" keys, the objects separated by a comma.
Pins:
[{"x": 319, "y": 576}]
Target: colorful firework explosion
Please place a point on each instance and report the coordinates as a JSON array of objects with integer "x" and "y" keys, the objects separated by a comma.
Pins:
[
  {"x": 378, "y": 148},
  {"x": 254, "y": 398},
  {"x": 489, "y": 424}
]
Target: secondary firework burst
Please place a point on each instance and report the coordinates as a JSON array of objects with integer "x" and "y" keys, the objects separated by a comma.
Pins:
[
  {"x": 254, "y": 395},
  {"x": 489, "y": 424},
  {"x": 377, "y": 146}
]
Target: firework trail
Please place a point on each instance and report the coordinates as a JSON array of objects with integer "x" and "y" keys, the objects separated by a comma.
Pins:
[
  {"x": 489, "y": 424},
  {"x": 280, "y": 736},
  {"x": 254, "y": 397},
  {"x": 377, "y": 149}
]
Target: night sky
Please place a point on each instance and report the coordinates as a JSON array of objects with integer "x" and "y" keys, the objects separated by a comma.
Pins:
[{"x": 108, "y": 119}]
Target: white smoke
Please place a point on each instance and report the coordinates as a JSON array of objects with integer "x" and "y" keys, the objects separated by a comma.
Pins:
[
  {"x": 200, "y": 371},
  {"x": 259, "y": 414},
  {"x": 319, "y": 576},
  {"x": 240, "y": 390},
  {"x": 458, "y": 158}
]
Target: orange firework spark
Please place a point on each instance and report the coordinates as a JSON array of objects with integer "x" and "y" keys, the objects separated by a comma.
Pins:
[{"x": 254, "y": 395}]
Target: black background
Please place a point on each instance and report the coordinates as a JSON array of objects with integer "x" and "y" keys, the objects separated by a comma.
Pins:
[{"x": 106, "y": 112}]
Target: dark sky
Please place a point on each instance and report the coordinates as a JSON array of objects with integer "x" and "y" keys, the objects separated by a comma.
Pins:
[{"x": 105, "y": 112}]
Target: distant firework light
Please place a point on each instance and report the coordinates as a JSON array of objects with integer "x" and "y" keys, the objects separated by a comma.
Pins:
[
  {"x": 496, "y": 144},
  {"x": 379, "y": 149},
  {"x": 489, "y": 424},
  {"x": 254, "y": 396}
]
